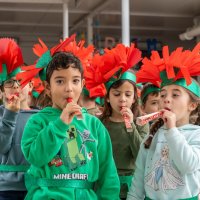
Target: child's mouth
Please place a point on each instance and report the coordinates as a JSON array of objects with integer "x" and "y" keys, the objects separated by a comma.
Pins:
[{"x": 167, "y": 109}]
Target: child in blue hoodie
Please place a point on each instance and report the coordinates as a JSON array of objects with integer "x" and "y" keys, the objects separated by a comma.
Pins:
[
  {"x": 168, "y": 163},
  {"x": 14, "y": 113}
]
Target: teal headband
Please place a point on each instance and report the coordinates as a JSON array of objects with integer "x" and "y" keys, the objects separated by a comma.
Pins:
[
  {"x": 43, "y": 62},
  {"x": 85, "y": 92},
  {"x": 35, "y": 94},
  {"x": 128, "y": 76},
  {"x": 99, "y": 101},
  {"x": 193, "y": 87},
  {"x": 149, "y": 90},
  {"x": 4, "y": 74}
]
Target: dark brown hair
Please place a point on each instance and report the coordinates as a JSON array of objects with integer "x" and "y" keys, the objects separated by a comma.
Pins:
[{"x": 61, "y": 60}]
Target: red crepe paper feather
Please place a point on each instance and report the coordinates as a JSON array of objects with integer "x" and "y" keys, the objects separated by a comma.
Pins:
[
  {"x": 40, "y": 48},
  {"x": 61, "y": 46},
  {"x": 68, "y": 45},
  {"x": 187, "y": 63},
  {"x": 26, "y": 76},
  {"x": 114, "y": 62},
  {"x": 84, "y": 54},
  {"x": 37, "y": 85},
  {"x": 10, "y": 54}
]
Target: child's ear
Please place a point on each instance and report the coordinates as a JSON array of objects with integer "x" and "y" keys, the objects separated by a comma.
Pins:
[
  {"x": 142, "y": 107},
  {"x": 83, "y": 82},
  {"x": 47, "y": 88},
  {"x": 192, "y": 106},
  {"x": 30, "y": 86}
]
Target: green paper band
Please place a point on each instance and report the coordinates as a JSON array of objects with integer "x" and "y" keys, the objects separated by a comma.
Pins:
[
  {"x": 14, "y": 73},
  {"x": 35, "y": 94},
  {"x": 4, "y": 74},
  {"x": 150, "y": 90},
  {"x": 43, "y": 62},
  {"x": 125, "y": 76},
  {"x": 85, "y": 92},
  {"x": 193, "y": 87},
  {"x": 99, "y": 101}
]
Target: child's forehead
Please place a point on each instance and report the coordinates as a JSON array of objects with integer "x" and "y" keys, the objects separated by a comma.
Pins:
[
  {"x": 154, "y": 95},
  {"x": 125, "y": 85},
  {"x": 68, "y": 72},
  {"x": 172, "y": 88}
]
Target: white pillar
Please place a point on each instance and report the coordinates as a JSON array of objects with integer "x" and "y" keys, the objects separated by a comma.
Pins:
[
  {"x": 89, "y": 30},
  {"x": 125, "y": 22},
  {"x": 65, "y": 19}
]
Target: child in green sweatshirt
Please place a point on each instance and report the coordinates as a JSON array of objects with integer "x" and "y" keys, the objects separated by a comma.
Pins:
[{"x": 68, "y": 156}]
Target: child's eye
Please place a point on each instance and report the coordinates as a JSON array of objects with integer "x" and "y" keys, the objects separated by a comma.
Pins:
[
  {"x": 116, "y": 94},
  {"x": 76, "y": 81},
  {"x": 162, "y": 95},
  {"x": 59, "y": 82},
  {"x": 175, "y": 95},
  {"x": 128, "y": 95}
]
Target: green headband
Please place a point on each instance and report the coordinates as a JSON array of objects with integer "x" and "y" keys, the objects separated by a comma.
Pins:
[
  {"x": 99, "y": 101},
  {"x": 35, "y": 94},
  {"x": 4, "y": 74},
  {"x": 193, "y": 87},
  {"x": 128, "y": 76},
  {"x": 85, "y": 92},
  {"x": 149, "y": 90},
  {"x": 43, "y": 62}
]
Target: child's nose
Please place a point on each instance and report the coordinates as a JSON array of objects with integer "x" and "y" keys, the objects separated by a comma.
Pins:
[
  {"x": 68, "y": 87},
  {"x": 15, "y": 85},
  {"x": 167, "y": 100},
  {"x": 123, "y": 97}
]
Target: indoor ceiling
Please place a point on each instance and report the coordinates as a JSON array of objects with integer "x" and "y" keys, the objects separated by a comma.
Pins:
[{"x": 26, "y": 20}]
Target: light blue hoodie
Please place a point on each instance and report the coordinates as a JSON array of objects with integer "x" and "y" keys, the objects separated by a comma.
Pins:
[{"x": 170, "y": 168}]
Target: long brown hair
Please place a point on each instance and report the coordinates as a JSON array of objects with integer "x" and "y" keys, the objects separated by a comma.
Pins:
[
  {"x": 158, "y": 123},
  {"x": 107, "y": 111}
]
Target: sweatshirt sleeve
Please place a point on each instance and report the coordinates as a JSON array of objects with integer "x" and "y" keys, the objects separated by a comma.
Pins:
[
  {"x": 108, "y": 183},
  {"x": 185, "y": 154},
  {"x": 137, "y": 136},
  {"x": 7, "y": 127},
  {"x": 41, "y": 142},
  {"x": 136, "y": 191}
]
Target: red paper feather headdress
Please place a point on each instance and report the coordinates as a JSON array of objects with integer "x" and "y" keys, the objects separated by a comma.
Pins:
[
  {"x": 10, "y": 59},
  {"x": 177, "y": 68},
  {"x": 68, "y": 45},
  {"x": 109, "y": 67}
]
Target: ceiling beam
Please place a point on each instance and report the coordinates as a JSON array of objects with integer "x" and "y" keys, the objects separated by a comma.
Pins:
[
  {"x": 91, "y": 13},
  {"x": 11, "y": 23},
  {"x": 149, "y": 28},
  {"x": 35, "y": 33},
  {"x": 33, "y": 1},
  {"x": 78, "y": 11}
]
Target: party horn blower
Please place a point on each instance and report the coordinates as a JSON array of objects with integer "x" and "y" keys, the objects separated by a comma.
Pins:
[
  {"x": 147, "y": 118},
  {"x": 79, "y": 115},
  {"x": 11, "y": 97},
  {"x": 128, "y": 125}
]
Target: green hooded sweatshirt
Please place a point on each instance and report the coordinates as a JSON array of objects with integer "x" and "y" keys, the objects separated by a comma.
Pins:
[{"x": 66, "y": 160}]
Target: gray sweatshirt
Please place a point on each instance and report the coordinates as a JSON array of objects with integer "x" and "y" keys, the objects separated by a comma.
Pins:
[{"x": 11, "y": 130}]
